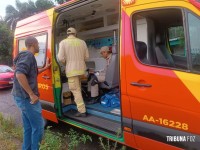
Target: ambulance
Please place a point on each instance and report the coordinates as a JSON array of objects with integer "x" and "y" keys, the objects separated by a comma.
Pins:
[{"x": 155, "y": 66}]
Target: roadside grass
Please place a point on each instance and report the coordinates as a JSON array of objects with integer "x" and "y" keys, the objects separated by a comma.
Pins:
[
  {"x": 58, "y": 141},
  {"x": 10, "y": 134},
  {"x": 75, "y": 139},
  {"x": 107, "y": 144},
  {"x": 8, "y": 143},
  {"x": 53, "y": 141},
  {"x": 11, "y": 137}
]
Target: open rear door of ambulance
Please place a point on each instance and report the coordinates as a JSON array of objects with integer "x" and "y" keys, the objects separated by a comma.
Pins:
[{"x": 40, "y": 27}]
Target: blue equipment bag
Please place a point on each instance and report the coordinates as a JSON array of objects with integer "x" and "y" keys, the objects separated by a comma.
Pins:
[
  {"x": 105, "y": 100},
  {"x": 115, "y": 102},
  {"x": 111, "y": 99}
]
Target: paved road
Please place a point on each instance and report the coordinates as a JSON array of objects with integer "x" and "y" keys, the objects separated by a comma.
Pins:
[{"x": 8, "y": 107}]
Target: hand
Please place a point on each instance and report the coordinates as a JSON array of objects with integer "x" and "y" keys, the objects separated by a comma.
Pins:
[
  {"x": 97, "y": 73},
  {"x": 48, "y": 64},
  {"x": 91, "y": 71},
  {"x": 34, "y": 98}
]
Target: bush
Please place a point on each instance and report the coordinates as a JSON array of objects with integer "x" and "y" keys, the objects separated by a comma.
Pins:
[
  {"x": 75, "y": 139},
  {"x": 53, "y": 141},
  {"x": 110, "y": 145}
]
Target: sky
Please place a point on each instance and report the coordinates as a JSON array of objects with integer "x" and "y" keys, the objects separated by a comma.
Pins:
[{"x": 4, "y": 3}]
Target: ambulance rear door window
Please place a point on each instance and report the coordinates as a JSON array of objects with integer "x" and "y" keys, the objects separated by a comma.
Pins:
[{"x": 41, "y": 56}]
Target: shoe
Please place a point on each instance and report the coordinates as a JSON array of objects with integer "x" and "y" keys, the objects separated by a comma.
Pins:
[
  {"x": 93, "y": 100},
  {"x": 78, "y": 114}
]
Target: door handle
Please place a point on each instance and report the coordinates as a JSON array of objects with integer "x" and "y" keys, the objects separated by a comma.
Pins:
[
  {"x": 45, "y": 77},
  {"x": 141, "y": 84}
]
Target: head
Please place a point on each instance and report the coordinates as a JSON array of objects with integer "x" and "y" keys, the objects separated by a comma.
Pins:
[
  {"x": 71, "y": 31},
  {"x": 104, "y": 51},
  {"x": 32, "y": 44}
]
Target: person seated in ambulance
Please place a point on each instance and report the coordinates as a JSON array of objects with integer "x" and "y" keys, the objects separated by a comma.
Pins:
[{"x": 99, "y": 76}]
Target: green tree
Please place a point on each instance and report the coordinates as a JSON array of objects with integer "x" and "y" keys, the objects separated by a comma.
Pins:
[
  {"x": 61, "y": 1},
  {"x": 6, "y": 40},
  {"x": 42, "y": 5},
  {"x": 24, "y": 10}
]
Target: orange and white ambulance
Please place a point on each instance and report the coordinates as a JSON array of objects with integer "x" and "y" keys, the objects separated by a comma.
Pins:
[{"x": 155, "y": 66}]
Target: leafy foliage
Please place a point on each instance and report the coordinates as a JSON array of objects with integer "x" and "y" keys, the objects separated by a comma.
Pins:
[
  {"x": 61, "y": 1},
  {"x": 53, "y": 141},
  {"x": 58, "y": 141},
  {"x": 75, "y": 139},
  {"x": 106, "y": 144},
  {"x": 42, "y": 5},
  {"x": 6, "y": 40},
  {"x": 24, "y": 10}
]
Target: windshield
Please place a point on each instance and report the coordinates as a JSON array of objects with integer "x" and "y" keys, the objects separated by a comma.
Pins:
[{"x": 4, "y": 69}]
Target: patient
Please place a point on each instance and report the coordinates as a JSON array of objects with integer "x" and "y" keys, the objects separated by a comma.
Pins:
[{"x": 99, "y": 76}]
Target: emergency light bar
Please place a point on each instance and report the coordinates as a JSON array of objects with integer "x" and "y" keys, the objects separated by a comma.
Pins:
[{"x": 127, "y": 2}]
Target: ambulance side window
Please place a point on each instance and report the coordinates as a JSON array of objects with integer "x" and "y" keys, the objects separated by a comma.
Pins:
[
  {"x": 159, "y": 38},
  {"x": 176, "y": 40},
  {"x": 41, "y": 56},
  {"x": 194, "y": 35}
]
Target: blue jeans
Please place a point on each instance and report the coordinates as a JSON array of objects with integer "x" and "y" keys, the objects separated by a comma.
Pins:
[{"x": 32, "y": 122}]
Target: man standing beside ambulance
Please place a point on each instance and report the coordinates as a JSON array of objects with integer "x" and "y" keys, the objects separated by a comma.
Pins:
[{"x": 74, "y": 52}]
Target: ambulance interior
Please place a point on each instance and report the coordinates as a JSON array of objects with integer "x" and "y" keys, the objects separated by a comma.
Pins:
[{"x": 97, "y": 23}]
